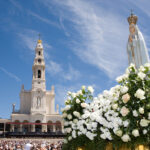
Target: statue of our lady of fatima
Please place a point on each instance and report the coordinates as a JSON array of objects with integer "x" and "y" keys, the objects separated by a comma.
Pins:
[{"x": 136, "y": 47}]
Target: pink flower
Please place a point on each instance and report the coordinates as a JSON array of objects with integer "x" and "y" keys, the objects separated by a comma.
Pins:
[
  {"x": 124, "y": 111},
  {"x": 126, "y": 98}
]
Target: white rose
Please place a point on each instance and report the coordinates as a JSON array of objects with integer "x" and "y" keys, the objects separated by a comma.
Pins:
[
  {"x": 144, "y": 131},
  {"x": 149, "y": 116},
  {"x": 124, "y": 89},
  {"x": 75, "y": 121},
  {"x": 126, "y": 98},
  {"x": 79, "y": 92},
  {"x": 69, "y": 93},
  {"x": 119, "y": 79},
  {"x": 90, "y": 89},
  {"x": 124, "y": 111},
  {"x": 141, "y": 75},
  {"x": 68, "y": 130},
  {"x": 69, "y": 138},
  {"x": 125, "y": 138},
  {"x": 84, "y": 105},
  {"x": 73, "y": 95},
  {"x": 135, "y": 114},
  {"x": 119, "y": 133},
  {"x": 64, "y": 115},
  {"x": 83, "y": 87},
  {"x": 140, "y": 94},
  {"x": 115, "y": 106},
  {"x": 135, "y": 132},
  {"x": 77, "y": 101},
  {"x": 65, "y": 141},
  {"x": 77, "y": 114},
  {"x": 126, "y": 123},
  {"x": 144, "y": 123},
  {"x": 69, "y": 117},
  {"x": 67, "y": 107},
  {"x": 141, "y": 110}
]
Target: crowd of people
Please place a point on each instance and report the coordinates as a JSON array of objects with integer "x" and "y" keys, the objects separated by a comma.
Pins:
[{"x": 28, "y": 144}]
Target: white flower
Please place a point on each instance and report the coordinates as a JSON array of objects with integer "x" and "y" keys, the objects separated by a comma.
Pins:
[
  {"x": 65, "y": 141},
  {"x": 135, "y": 132},
  {"x": 126, "y": 98},
  {"x": 75, "y": 121},
  {"x": 64, "y": 115},
  {"x": 115, "y": 106},
  {"x": 69, "y": 93},
  {"x": 68, "y": 130},
  {"x": 124, "y": 111},
  {"x": 67, "y": 108},
  {"x": 119, "y": 79},
  {"x": 119, "y": 133},
  {"x": 141, "y": 75},
  {"x": 135, "y": 114},
  {"x": 84, "y": 105},
  {"x": 90, "y": 89},
  {"x": 77, "y": 101},
  {"x": 141, "y": 110},
  {"x": 83, "y": 87},
  {"x": 69, "y": 138},
  {"x": 124, "y": 89},
  {"x": 125, "y": 123},
  {"x": 77, "y": 114},
  {"x": 69, "y": 117},
  {"x": 79, "y": 92},
  {"x": 140, "y": 94},
  {"x": 144, "y": 131},
  {"x": 125, "y": 138},
  {"x": 73, "y": 95},
  {"x": 144, "y": 123},
  {"x": 141, "y": 69},
  {"x": 149, "y": 115}
]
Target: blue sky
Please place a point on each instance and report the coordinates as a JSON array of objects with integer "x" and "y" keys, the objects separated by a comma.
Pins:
[{"x": 84, "y": 43}]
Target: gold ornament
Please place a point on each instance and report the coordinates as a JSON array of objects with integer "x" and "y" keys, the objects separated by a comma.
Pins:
[{"x": 132, "y": 19}]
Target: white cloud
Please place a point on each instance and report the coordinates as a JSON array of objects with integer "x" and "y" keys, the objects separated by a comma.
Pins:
[
  {"x": 11, "y": 75},
  {"x": 48, "y": 21},
  {"x": 53, "y": 68},
  {"x": 16, "y": 4},
  {"x": 102, "y": 36}
]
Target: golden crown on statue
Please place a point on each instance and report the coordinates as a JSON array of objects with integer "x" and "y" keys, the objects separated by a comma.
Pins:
[{"x": 132, "y": 19}]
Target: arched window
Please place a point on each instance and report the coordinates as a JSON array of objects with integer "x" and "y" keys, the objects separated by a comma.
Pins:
[
  {"x": 39, "y": 60},
  {"x": 39, "y": 53},
  {"x": 39, "y": 73}
]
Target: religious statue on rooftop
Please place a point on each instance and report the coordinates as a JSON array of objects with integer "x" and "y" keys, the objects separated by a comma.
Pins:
[{"x": 136, "y": 47}]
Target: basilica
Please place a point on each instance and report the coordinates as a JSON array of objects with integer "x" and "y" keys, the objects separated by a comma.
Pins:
[{"x": 37, "y": 106}]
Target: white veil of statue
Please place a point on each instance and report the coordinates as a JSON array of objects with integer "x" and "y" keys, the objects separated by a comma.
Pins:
[{"x": 136, "y": 46}]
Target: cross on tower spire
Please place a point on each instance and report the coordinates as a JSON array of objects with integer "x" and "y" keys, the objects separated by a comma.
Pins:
[{"x": 39, "y": 40}]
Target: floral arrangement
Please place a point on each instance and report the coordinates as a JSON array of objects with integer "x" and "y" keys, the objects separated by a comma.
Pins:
[{"x": 120, "y": 116}]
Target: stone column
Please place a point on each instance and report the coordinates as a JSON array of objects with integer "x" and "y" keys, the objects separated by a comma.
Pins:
[
  {"x": 33, "y": 128},
  {"x": 54, "y": 128},
  {"x": 62, "y": 128},
  {"x": 44, "y": 128},
  {"x": 12, "y": 128},
  {"x": 20, "y": 128}
]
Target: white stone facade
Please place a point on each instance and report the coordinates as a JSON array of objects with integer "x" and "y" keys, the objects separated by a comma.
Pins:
[{"x": 37, "y": 105}]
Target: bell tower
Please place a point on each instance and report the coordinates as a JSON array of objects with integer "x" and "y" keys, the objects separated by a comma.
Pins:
[
  {"x": 38, "y": 68},
  {"x": 38, "y": 100}
]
